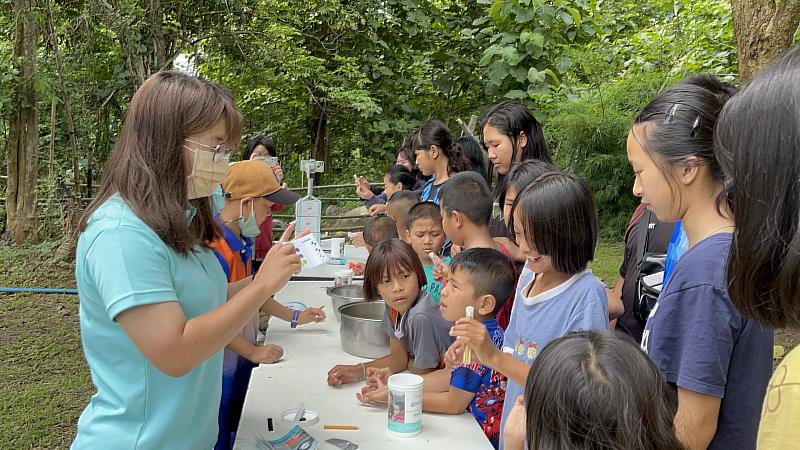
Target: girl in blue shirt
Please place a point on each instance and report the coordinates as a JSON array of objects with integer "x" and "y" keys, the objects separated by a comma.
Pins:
[
  {"x": 555, "y": 226},
  {"x": 436, "y": 157},
  {"x": 153, "y": 311}
]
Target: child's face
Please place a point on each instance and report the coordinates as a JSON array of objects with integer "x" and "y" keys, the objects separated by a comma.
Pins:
[
  {"x": 263, "y": 208},
  {"x": 426, "y": 235},
  {"x": 650, "y": 184},
  {"x": 399, "y": 289},
  {"x": 425, "y": 162},
  {"x": 537, "y": 262},
  {"x": 501, "y": 149},
  {"x": 457, "y": 294},
  {"x": 401, "y": 160},
  {"x": 389, "y": 187},
  {"x": 450, "y": 227},
  {"x": 511, "y": 195}
]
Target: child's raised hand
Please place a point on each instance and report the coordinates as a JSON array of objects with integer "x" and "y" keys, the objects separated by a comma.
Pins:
[
  {"x": 363, "y": 189},
  {"x": 344, "y": 374},
  {"x": 267, "y": 354},
  {"x": 440, "y": 270},
  {"x": 310, "y": 315},
  {"x": 515, "y": 251},
  {"x": 515, "y": 429},
  {"x": 476, "y": 336},
  {"x": 357, "y": 239}
]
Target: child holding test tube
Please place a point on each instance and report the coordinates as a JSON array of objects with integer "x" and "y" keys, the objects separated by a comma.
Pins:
[
  {"x": 555, "y": 225},
  {"x": 481, "y": 280}
]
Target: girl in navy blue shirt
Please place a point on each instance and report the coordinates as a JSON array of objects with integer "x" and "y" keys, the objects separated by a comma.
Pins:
[{"x": 718, "y": 361}]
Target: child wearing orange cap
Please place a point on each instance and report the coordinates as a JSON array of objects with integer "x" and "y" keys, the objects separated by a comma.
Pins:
[{"x": 250, "y": 189}]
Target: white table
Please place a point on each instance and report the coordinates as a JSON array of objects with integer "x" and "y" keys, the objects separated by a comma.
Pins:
[
  {"x": 328, "y": 271},
  {"x": 311, "y": 350}
]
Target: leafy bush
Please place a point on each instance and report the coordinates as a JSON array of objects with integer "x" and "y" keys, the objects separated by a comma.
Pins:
[{"x": 587, "y": 136}]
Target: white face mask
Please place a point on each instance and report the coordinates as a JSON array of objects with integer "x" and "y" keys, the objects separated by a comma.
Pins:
[{"x": 207, "y": 172}]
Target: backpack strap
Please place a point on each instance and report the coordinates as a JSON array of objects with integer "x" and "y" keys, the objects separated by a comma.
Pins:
[{"x": 642, "y": 236}]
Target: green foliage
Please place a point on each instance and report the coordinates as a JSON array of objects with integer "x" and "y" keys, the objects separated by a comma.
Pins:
[
  {"x": 588, "y": 136},
  {"x": 527, "y": 41},
  {"x": 376, "y": 70}
]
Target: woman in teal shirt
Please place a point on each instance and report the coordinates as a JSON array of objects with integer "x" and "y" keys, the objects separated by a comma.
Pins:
[{"x": 153, "y": 310}]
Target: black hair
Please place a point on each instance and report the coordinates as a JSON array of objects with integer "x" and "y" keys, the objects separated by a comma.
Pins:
[
  {"x": 490, "y": 273},
  {"x": 680, "y": 121},
  {"x": 559, "y": 220},
  {"x": 467, "y": 193},
  {"x": 388, "y": 258},
  {"x": 435, "y": 132},
  {"x": 400, "y": 174},
  {"x": 758, "y": 147},
  {"x": 424, "y": 210},
  {"x": 597, "y": 390},
  {"x": 524, "y": 173},
  {"x": 511, "y": 119},
  {"x": 472, "y": 151},
  {"x": 407, "y": 149},
  {"x": 255, "y": 142},
  {"x": 379, "y": 229}
]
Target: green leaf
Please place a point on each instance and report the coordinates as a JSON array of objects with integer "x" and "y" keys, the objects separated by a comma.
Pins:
[
  {"x": 576, "y": 15},
  {"x": 535, "y": 76},
  {"x": 516, "y": 94},
  {"x": 563, "y": 63},
  {"x": 511, "y": 56},
  {"x": 566, "y": 17},
  {"x": 523, "y": 14},
  {"x": 531, "y": 36},
  {"x": 497, "y": 71}
]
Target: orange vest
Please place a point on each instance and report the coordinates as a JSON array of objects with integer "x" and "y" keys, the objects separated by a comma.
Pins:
[{"x": 237, "y": 269}]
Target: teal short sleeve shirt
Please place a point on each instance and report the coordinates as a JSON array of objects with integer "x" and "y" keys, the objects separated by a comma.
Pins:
[{"x": 121, "y": 263}]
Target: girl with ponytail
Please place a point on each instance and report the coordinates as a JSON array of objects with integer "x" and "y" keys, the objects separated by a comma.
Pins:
[
  {"x": 718, "y": 361},
  {"x": 437, "y": 157}
]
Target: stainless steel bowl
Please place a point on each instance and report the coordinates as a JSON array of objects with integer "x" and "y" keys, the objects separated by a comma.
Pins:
[
  {"x": 343, "y": 295},
  {"x": 361, "y": 333}
]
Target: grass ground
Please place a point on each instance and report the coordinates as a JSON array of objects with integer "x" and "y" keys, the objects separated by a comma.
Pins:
[{"x": 44, "y": 380}]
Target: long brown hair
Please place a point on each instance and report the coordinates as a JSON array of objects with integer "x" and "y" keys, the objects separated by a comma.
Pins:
[{"x": 147, "y": 165}]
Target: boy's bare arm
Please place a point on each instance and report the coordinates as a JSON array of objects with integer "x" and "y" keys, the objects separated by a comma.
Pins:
[
  {"x": 454, "y": 401},
  {"x": 437, "y": 381}
]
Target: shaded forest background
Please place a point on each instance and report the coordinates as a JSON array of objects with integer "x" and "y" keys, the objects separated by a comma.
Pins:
[{"x": 344, "y": 81}]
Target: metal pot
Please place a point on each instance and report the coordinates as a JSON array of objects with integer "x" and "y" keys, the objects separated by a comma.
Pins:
[
  {"x": 343, "y": 295},
  {"x": 361, "y": 333}
]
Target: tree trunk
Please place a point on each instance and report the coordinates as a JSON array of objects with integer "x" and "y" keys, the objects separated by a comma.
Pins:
[
  {"x": 73, "y": 141},
  {"x": 319, "y": 133},
  {"x": 764, "y": 29},
  {"x": 23, "y": 140}
]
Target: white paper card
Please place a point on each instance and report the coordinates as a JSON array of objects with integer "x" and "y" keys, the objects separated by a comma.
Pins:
[{"x": 311, "y": 254}]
